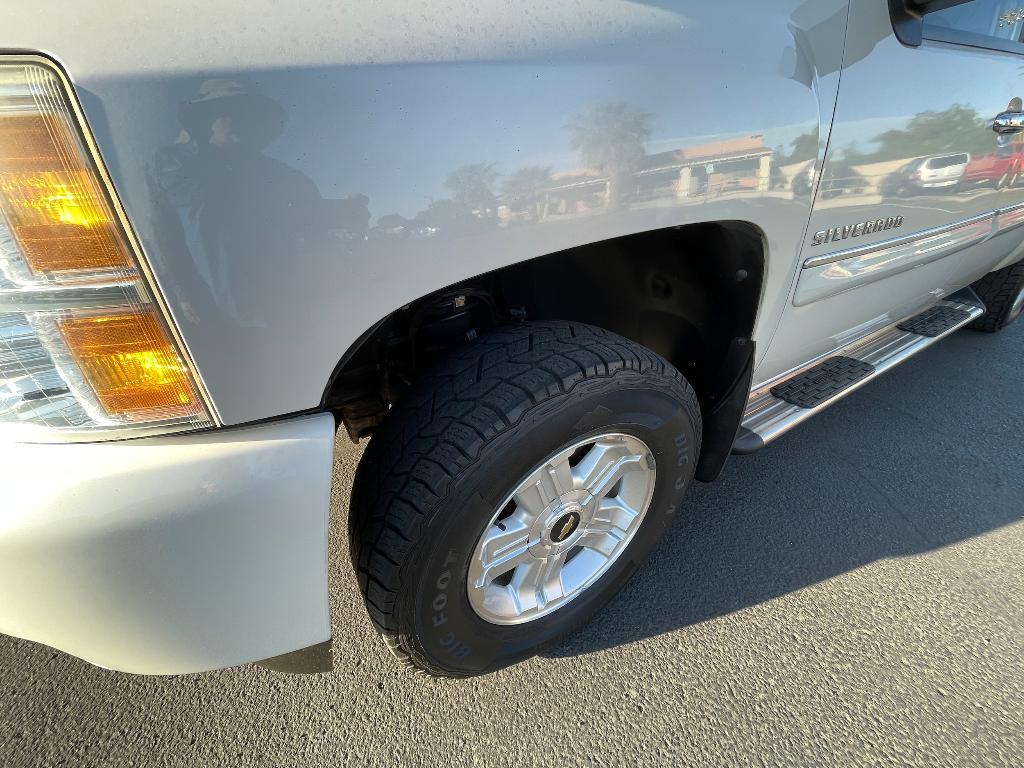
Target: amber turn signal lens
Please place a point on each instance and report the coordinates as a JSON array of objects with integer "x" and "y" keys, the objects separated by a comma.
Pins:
[
  {"x": 87, "y": 349},
  {"x": 50, "y": 197},
  {"x": 131, "y": 365}
]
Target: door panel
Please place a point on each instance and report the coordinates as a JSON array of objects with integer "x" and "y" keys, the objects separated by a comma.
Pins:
[
  {"x": 910, "y": 188},
  {"x": 999, "y": 22}
]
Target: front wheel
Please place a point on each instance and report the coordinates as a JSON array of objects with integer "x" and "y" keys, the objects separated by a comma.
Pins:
[
  {"x": 1003, "y": 294},
  {"x": 515, "y": 489}
]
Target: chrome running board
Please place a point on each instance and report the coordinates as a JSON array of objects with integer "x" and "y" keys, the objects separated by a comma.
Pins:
[{"x": 777, "y": 406}]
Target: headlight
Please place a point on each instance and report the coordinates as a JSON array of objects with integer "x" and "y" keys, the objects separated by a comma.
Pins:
[{"x": 85, "y": 349}]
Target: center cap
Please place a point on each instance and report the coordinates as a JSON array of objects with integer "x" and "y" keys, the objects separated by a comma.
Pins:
[{"x": 565, "y": 526}]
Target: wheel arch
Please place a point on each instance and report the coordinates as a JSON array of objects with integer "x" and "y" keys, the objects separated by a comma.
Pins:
[{"x": 690, "y": 293}]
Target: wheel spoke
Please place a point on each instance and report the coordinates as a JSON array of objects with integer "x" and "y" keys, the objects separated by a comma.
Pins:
[
  {"x": 559, "y": 476},
  {"x": 602, "y": 542},
  {"x": 613, "y": 516},
  {"x": 503, "y": 548},
  {"x": 545, "y": 486},
  {"x": 604, "y": 466},
  {"x": 531, "y": 501},
  {"x": 551, "y": 587},
  {"x": 595, "y": 462},
  {"x": 538, "y": 582},
  {"x": 525, "y": 585}
]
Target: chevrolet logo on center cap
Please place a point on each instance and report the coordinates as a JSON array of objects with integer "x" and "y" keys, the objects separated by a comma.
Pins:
[{"x": 564, "y": 526}]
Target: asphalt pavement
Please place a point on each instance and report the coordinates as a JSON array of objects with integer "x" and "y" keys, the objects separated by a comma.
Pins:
[{"x": 852, "y": 595}]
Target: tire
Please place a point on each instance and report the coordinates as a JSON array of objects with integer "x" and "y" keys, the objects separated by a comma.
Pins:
[
  {"x": 1003, "y": 294},
  {"x": 453, "y": 449}
]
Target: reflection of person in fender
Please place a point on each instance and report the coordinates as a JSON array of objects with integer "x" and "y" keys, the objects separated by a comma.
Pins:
[{"x": 233, "y": 208}]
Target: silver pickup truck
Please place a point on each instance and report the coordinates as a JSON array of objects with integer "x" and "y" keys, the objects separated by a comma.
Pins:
[{"x": 558, "y": 259}]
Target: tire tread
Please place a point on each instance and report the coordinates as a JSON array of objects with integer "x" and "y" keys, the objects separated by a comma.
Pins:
[
  {"x": 998, "y": 290},
  {"x": 440, "y": 427}
]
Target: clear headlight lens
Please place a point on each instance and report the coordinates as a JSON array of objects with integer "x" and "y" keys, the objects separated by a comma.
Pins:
[{"x": 85, "y": 351}]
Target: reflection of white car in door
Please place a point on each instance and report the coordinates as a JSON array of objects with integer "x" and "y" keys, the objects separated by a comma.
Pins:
[{"x": 936, "y": 172}]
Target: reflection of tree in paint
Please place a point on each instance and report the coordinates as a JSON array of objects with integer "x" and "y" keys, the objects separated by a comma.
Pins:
[
  {"x": 524, "y": 189},
  {"x": 443, "y": 214},
  {"x": 802, "y": 148},
  {"x": 471, "y": 208},
  {"x": 471, "y": 186},
  {"x": 958, "y": 139},
  {"x": 610, "y": 138},
  {"x": 956, "y": 129}
]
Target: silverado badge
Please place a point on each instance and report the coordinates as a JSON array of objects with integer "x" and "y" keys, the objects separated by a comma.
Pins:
[{"x": 856, "y": 230}]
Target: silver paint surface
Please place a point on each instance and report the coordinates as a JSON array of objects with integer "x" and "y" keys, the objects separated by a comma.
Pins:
[
  {"x": 294, "y": 177},
  {"x": 452, "y": 132}
]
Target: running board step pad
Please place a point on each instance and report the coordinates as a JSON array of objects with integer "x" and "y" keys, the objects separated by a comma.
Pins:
[
  {"x": 776, "y": 407},
  {"x": 935, "y": 321},
  {"x": 822, "y": 382}
]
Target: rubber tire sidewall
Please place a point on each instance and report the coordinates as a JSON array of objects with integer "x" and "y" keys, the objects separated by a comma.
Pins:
[{"x": 445, "y": 628}]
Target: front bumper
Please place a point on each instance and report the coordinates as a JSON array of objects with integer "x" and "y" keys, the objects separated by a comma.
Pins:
[{"x": 172, "y": 554}]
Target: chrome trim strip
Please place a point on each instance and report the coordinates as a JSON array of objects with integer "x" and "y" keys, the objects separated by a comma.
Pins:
[
  {"x": 820, "y": 282},
  {"x": 892, "y": 242},
  {"x": 1009, "y": 218},
  {"x": 769, "y": 417}
]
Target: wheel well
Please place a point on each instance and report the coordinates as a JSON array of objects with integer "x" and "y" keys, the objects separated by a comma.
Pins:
[{"x": 689, "y": 293}]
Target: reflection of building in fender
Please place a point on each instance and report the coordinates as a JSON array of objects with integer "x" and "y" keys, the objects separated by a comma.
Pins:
[{"x": 743, "y": 163}]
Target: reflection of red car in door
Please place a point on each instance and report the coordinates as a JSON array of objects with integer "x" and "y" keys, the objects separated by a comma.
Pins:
[{"x": 1004, "y": 166}]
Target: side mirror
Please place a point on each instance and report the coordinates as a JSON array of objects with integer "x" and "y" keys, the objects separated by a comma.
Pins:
[{"x": 908, "y": 16}]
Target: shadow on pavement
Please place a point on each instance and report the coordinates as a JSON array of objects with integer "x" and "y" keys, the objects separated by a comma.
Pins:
[{"x": 926, "y": 456}]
